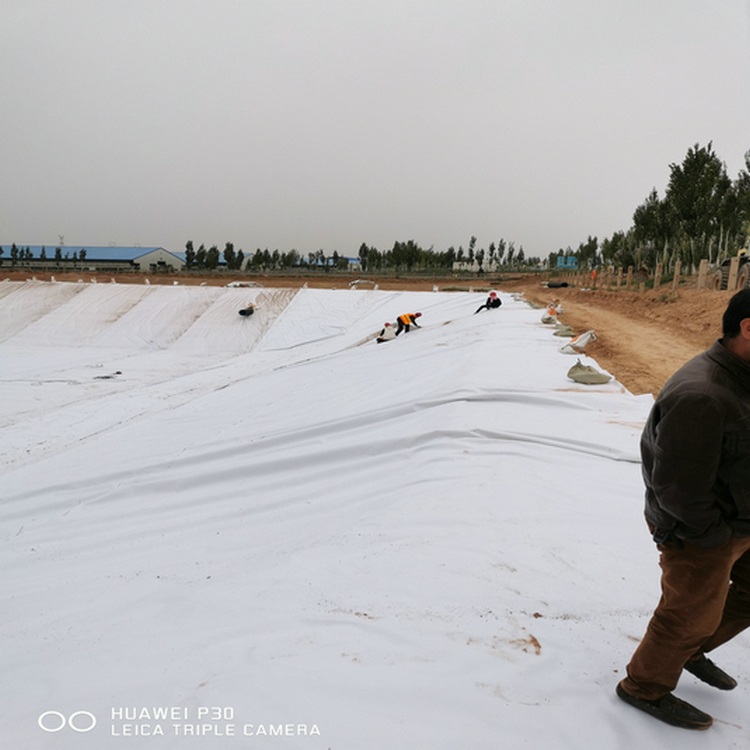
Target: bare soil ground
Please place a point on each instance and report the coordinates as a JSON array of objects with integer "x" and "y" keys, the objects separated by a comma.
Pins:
[{"x": 641, "y": 338}]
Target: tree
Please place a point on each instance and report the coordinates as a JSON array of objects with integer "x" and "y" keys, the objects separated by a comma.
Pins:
[
  {"x": 695, "y": 193},
  {"x": 500, "y": 250},
  {"x": 410, "y": 254},
  {"x": 587, "y": 253},
  {"x": 651, "y": 228},
  {"x": 212, "y": 258},
  {"x": 374, "y": 258},
  {"x": 480, "y": 260},
  {"x": 741, "y": 193},
  {"x": 189, "y": 254},
  {"x": 619, "y": 250},
  {"x": 230, "y": 257},
  {"x": 256, "y": 261}
]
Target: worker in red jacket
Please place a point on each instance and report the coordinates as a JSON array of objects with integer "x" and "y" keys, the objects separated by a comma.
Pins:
[{"x": 407, "y": 320}]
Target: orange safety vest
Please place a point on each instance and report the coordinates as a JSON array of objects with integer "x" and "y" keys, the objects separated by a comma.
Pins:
[{"x": 406, "y": 319}]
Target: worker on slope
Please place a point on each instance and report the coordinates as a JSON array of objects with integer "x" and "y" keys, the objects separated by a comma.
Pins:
[
  {"x": 407, "y": 320},
  {"x": 492, "y": 303},
  {"x": 387, "y": 334}
]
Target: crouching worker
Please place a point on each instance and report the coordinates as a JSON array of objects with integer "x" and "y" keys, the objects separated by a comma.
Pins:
[
  {"x": 407, "y": 320},
  {"x": 493, "y": 302},
  {"x": 387, "y": 334}
]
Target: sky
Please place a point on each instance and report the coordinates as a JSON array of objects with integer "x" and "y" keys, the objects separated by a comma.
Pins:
[{"x": 329, "y": 123}]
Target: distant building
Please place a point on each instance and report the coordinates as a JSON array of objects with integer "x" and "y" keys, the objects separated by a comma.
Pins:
[
  {"x": 567, "y": 263},
  {"x": 487, "y": 266},
  {"x": 91, "y": 258}
]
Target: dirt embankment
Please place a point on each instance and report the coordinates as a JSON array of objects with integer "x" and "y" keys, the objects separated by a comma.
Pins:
[{"x": 641, "y": 338}]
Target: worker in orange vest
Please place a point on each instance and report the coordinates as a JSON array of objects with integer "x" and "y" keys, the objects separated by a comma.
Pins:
[{"x": 406, "y": 320}]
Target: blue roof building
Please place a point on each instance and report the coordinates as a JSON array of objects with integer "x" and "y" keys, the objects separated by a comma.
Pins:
[{"x": 94, "y": 257}]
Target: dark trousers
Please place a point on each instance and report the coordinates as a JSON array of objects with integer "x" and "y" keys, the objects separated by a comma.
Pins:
[
  {"x": 402, "y": 327},
  {"x": 699, "y": 610}
]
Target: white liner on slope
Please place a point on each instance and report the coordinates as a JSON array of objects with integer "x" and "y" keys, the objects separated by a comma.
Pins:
[{"x": 432, "y": 542}]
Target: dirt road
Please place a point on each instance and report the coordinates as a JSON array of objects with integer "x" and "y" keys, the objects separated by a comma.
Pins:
[{"x": 641, "y": 338}]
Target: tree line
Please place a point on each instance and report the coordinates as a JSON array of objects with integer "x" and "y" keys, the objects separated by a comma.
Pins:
[
  {"x": 403, "y": 256},
  {"x": 409, "y": 256},
  {"x": 704, "y": 214},
  {"x": 261, "y": 260},
  {"x": 23, "y": 255}
]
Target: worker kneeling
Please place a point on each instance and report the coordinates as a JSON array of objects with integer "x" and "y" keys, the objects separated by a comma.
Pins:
[{"x": 407, "y": 320}]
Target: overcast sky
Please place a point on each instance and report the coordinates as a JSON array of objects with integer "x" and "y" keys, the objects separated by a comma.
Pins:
[{"x": 315, "y": 124}]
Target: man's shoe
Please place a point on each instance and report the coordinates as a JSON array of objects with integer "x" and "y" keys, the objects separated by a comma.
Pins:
[
  {"x": 704, "y": 669},
  {"x": 669, "y": 709}
]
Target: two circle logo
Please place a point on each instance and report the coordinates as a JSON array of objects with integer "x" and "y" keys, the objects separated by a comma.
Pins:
[{"x": 54, "y": 721}]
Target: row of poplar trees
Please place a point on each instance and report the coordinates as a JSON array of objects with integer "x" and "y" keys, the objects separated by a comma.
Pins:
[{"x": 703, "y": 214}]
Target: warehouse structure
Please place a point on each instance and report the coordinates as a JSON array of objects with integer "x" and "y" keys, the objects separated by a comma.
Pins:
[{"x": 90, "y": 258}]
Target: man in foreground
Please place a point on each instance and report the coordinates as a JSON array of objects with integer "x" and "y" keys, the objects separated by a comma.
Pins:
[{"x": 695, "y": 449}]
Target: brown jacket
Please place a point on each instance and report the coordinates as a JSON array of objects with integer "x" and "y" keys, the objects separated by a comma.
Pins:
[{"x": 695, "y": 449}]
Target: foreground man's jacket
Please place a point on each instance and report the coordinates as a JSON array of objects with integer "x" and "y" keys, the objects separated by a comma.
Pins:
[{"x": 695, "y": 449}]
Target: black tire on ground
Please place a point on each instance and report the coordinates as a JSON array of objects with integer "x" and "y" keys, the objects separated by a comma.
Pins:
[
  {"x": 721, "y": 278},
  {"x": 743, "y": 277}
]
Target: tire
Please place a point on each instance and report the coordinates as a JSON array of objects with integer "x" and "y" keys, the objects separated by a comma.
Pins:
[
  {"x": 721, "y": 278},
  {"x": 743, "y": 277}
]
